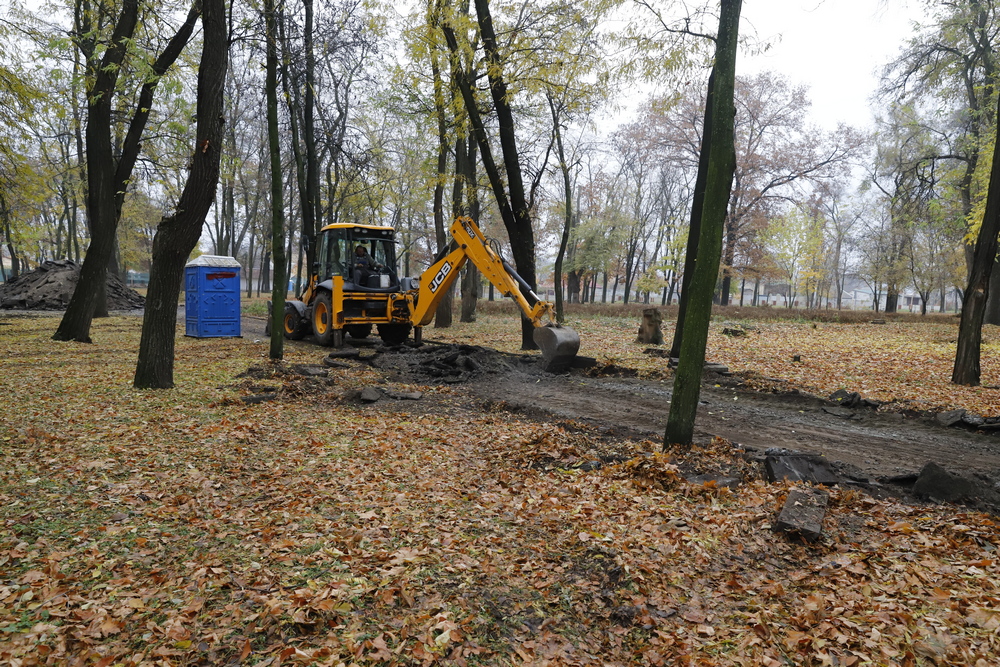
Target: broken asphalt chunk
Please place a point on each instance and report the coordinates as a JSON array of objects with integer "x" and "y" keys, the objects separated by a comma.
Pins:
[
  {"x": 936, "y": 483},
  {"x": 970, "y": 419},
  {"x": 950, "y": 417},
  {"x": 838, "y": 411},
  {"x": 846, "y": 398},
  {"x": 404, "y": 395},
  {"x": 259, "y": 398},
  {"x": 803, "y": 513},
  {"x": 345, "y": 353},
  {"x": 310, "y": 371},
  {"x": 799, "y": 467},
  {"x": 370, "y": 394}
]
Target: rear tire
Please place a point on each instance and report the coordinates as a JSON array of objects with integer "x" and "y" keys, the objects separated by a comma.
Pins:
[
  {"x": 322, "y": 319},
  {"x": 394, "y": 334},
  {"x": 359, "y": 330},
  {"x": 292, "y": 324}
]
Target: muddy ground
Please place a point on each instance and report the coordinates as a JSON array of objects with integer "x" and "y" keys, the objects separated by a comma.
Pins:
[
  {"x": 868, "y": 444},
  {"x": 878, "y": 445}
]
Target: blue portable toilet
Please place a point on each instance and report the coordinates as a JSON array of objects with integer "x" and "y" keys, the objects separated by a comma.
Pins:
[{"x": 212, "y": 297}]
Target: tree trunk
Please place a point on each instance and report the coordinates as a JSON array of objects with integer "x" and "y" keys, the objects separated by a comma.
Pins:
[
  {"x": 311, "y": 204},
  {"x": 694, "y": 229},
  {"x": 992, "y": 314},
  {"x": 718, "y": 156},
  {"x": 727, "y": 272},
  {"x": 512, "y": 200},
  {"x": 970, "y": 329},
  {"x": 444, "y": 314},
  {"x": 280, "y": 287},
  {"x": 891, "y": 301},
  {"x": 292, "y": 101},
  {"x": 108, "y": 178},
  {"x": 573, "y": 286},
  {"x": 470, "y": 282},
  {"x": 177, "y": 235},
  {"x": 567, "y": 211},
  {"x": 249, "y": 272}
]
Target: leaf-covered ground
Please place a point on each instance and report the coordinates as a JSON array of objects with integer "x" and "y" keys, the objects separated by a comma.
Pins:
[{"x": 186, "y": 527}]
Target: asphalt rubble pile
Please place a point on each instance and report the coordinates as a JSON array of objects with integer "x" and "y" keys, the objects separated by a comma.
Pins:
[{"x": 849, "y": 404}]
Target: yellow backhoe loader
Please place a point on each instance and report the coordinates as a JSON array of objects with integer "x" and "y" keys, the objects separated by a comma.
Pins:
[{"x": 354, "y": 286}]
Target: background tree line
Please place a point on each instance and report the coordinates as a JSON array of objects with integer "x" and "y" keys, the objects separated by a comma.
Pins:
[{"x": 498, "y": 110}]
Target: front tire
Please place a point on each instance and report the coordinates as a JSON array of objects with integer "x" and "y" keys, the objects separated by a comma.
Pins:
[
  {"x": 322, "y": 319},
  {"x": 292, "y": 324}
]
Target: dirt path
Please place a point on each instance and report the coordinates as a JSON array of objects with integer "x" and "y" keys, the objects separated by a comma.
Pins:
[
  {"x": 878, "y": 444},
  {"x": 881, "y": 445}
]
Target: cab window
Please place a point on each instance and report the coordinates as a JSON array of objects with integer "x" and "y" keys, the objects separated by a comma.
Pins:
[
  {"x": 378, "y": 249},
  {"x": 331, "y": 253}
]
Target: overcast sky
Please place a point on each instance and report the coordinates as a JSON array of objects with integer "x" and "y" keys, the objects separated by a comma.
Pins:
[{"x": 836, "y": 47}]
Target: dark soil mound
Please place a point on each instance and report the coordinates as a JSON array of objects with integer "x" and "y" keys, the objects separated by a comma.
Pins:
[
  {"x": 450, "y": 364},
  {"x": 50, "y": 286}
]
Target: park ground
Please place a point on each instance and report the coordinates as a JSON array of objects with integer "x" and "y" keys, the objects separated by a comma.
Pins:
[{"x": 260, "y": 513}]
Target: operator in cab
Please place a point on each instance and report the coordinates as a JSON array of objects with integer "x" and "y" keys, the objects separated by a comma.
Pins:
[{"x": 364, "y": 265}]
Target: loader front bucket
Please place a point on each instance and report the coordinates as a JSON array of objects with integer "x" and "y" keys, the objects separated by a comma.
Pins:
[{"x": 558, "y": 344}]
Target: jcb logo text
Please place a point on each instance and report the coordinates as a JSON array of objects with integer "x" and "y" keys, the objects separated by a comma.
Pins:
[{"x": 439, "y": 278}]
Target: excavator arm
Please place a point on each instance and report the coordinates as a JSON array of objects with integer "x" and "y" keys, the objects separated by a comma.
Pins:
[{"x": 468, "y": 244}]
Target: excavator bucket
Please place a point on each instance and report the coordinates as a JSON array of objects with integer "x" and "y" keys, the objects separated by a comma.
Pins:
[{"x": 558, "y": 344}]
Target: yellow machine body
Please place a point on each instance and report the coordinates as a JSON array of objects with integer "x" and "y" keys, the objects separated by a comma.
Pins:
[{"x": 340, "y": 299}]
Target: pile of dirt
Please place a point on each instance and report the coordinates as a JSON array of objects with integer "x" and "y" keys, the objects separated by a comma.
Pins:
[
  {"x": 450, "y": 364},
  {"x": 51, "y": 285}
]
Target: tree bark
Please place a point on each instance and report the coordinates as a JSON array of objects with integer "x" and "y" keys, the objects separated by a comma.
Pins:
[
  {"x": 443, "y": 316},
  {"x": 891, "y": 301},
  {"x": 177, "y": 235},
  {"x": 465, "y": 164},
  {"x": 970, "y": 329},
  {"x": 567, "y": 211},
  {"x": 992, "y": 314},
  {"x": 311, "y": 205},
  {"x": 727, "y": 272},
  {"x": 292, "y": 102},
  {"x": 694, "y": 228},
  {"x": 511, "y": 201},
  {"x": 718, "y": 153},
  {"x": 280, "y": 287}
]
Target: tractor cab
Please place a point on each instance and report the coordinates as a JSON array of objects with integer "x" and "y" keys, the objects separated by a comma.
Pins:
[{"x": 339, "y": 251}]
